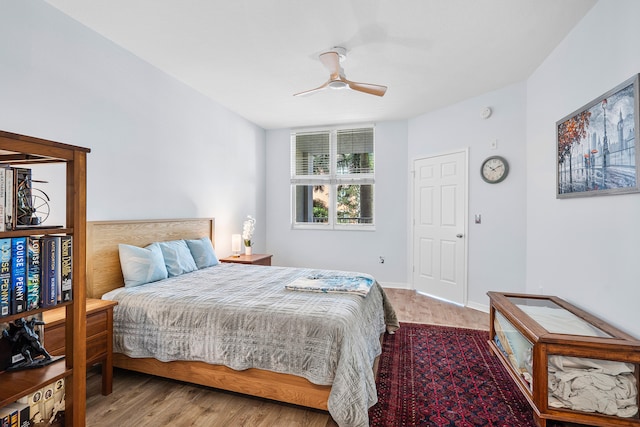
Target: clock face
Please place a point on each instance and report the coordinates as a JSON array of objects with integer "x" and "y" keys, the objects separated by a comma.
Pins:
[{"x": 494, "y": 169}]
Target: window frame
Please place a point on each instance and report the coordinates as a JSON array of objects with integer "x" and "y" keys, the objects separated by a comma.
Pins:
[{"x": 333, "y": 180}]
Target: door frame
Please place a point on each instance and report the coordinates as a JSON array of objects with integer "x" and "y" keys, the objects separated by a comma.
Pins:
[{"x": 465, "y": 273}]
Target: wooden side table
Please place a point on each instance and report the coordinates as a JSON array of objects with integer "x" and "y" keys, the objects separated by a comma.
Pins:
[
  {"x": 254, "y": 259},
  {"x": 99, "y": 336}
]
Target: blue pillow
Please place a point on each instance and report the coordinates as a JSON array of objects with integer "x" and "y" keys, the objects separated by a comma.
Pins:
[
  {"x": 203, "y": 253},
  {"x": 141, "y": 265},
  {"x": 177, "y": 257}
]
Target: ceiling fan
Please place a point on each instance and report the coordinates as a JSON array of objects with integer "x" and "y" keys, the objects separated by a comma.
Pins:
[{"x": 337, "y": 80}]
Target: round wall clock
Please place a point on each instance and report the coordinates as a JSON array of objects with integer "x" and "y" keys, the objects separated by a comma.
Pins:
[{"x": 494, "y": 169}]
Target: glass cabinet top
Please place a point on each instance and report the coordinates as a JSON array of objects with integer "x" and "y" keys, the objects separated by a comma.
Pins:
[{"x": 556, "y": 319}]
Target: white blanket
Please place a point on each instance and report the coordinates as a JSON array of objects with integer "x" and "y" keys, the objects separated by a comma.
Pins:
[
  {"x": 355, "y": 283},
  {"x": 590, "y": 385},
  {"x": 241, "y": 316}
]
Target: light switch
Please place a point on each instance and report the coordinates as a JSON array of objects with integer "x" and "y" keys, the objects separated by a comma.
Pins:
[{"x": 478, "y": 219}]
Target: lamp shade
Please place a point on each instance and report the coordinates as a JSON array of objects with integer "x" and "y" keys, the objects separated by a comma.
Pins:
[{"x": 236, "y": 243}]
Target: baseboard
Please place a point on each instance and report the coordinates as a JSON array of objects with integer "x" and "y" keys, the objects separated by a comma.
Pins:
[
  {"x": 477, "y": 306},
  {"x": 395, "y": 285}
]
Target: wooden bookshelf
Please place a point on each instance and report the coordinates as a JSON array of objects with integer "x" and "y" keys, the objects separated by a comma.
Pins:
[
  {"x": 27, "y": 381},
  {"x": 21, "y": 150}
]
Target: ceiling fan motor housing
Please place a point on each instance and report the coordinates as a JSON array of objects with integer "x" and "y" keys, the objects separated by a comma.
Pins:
[{"x": 341, "y": 51}]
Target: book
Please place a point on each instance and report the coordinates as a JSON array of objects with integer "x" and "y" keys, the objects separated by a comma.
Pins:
[
  {"x": 47, "y": 402},
  {"x": 14, "y": 415},
  {"x": 6, "y": 414},
  {"x": 66, "y": 270},
  {"x": 33, "y": 273},
  {"x": 23, "y": 206},
  {"x": 5, "y": 277},
  {"x": 9, "y": 198},
  {"x": 23, "y": 416},
  {"x": 49, "y": 270},
  {"x": 3, "y": 190},
  {"x": 58, "y": 399},
  {"x": 34, "y": 401},
  {"x": 58, "y": 391},
  {"x": 18, "y": 274}
]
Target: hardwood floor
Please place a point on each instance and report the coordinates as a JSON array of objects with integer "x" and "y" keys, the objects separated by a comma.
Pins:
[
  {"x": 146, "y": 401},
  {"x": 415, "y": 308}
]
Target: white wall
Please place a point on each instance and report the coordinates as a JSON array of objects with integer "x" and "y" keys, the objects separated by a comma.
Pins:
[
  {"x": 344, "y": 250},
  {"x": 496, "y": 247},
  {"x": 159, "y": 148},
  {"x": 586, "y": 249}
]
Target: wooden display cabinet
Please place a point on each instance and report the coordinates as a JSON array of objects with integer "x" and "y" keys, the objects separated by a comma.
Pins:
[
  {"x": 20, "y": 150},
  {"x": 539, "y": 333}
]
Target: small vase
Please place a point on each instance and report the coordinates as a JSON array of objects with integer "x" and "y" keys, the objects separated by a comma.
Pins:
[{"x": 247, "y": 250}]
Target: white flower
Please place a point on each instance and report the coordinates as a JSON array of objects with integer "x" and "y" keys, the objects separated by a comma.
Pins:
[{"x": 247, "y": 230}]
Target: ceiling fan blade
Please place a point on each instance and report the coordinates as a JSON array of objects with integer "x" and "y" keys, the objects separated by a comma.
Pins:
[
  {"x": 309, "y": 92},
  {"x": 369, "y": 88},
  {"x": 331, "y": 61},
  {"x": 337, "y": 79}
]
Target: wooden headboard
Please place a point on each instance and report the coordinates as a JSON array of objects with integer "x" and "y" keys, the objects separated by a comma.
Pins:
[{"x": 103, "y": 261}]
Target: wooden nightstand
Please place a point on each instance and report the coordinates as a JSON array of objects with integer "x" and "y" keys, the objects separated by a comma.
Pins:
[
  {"x": 99, "y": 336},
  {"x": 255, "y": 259}
]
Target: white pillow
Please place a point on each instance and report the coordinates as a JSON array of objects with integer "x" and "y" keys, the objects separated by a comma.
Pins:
[
  {"x": 203, "y": 253},
  {"x": 177, "y": 257},
  {"x": 141, "y": 265}
]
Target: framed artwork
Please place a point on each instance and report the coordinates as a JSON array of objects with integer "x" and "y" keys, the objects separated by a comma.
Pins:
[{"x": 598, "y": 145}]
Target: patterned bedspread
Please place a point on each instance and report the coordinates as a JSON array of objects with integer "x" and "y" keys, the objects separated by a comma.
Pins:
[{"x": 241, "y": 316}]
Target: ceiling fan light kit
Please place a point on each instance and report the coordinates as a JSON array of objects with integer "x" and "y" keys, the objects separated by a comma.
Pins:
[{"x": 337, "y": 80}]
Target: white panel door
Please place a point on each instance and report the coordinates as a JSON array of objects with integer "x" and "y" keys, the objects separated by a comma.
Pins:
[{"x": 439, "y": 217}]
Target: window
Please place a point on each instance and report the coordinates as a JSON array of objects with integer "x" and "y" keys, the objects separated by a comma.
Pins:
[{"x": 332, "y": 179}]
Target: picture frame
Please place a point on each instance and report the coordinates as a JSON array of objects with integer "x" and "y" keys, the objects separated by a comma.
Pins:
[{"x": 597, "y": 145}]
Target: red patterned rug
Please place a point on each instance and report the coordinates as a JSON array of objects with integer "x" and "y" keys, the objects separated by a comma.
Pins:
[{"x": 441, "y": 376}]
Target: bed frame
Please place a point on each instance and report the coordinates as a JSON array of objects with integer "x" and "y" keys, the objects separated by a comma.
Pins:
[{"x": 104, "y": 274}]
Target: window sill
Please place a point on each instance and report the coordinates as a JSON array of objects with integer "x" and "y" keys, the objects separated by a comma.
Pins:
[{"x": 329, "y": 227}]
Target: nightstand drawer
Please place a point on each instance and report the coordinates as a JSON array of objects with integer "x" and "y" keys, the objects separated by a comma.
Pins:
[
  {"x": 96, "y": 323},
  {"x": 54, "y": 340},
  {"x": 96, "y": 348},
  {"x": 54, "y": 335}
]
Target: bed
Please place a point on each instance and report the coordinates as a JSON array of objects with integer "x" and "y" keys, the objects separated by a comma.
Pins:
[{"x": 345, "y": 386}]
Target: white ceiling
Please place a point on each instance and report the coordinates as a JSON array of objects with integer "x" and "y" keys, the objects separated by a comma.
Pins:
[{"x": 253, "y": 55}]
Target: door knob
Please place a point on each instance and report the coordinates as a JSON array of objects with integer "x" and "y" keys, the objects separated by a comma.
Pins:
[{"x": 459, "y": 236}]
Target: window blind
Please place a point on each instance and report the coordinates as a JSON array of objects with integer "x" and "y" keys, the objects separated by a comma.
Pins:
[{"x": 311, "y": 154}]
